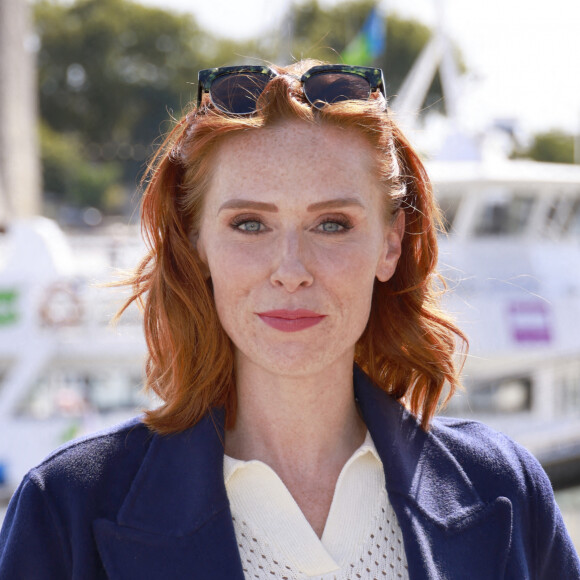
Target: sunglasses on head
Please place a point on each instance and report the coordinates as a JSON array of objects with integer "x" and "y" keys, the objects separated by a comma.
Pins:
[{"x": 236, "y": 89}]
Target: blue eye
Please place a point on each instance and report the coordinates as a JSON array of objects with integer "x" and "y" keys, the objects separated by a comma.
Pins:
[
  {"x": 333, "y": 227},
  {"x": 252, "y": 226}
]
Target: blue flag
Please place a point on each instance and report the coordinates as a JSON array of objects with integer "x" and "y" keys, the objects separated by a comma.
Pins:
[{"x": 369, "y": 43}]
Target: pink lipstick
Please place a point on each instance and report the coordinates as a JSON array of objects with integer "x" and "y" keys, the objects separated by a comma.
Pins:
[{"x": 291, "y": 320}]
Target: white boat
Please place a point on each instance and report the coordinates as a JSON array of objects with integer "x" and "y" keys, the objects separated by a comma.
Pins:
[
  {"x": 64, "y": 371},
  {"x": 512, "y": 259}
]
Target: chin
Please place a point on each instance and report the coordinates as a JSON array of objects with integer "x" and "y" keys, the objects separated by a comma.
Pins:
[{"x": 298, "y": 360}]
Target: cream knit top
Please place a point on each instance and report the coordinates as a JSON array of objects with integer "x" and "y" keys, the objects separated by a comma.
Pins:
[{"x": 361, "y": 538}]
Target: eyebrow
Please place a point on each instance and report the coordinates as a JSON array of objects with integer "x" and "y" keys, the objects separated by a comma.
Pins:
[
  {"x": 270, "y": 207},
  {"x": 247, "y": 204},
  {"x": 336, "y": 203}
]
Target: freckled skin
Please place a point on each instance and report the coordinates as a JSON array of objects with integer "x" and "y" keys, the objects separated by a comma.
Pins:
[{"x": 322, "y": 259}]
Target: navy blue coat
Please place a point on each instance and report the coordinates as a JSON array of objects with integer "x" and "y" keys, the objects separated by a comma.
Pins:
[{"x": 128, "y": 504}]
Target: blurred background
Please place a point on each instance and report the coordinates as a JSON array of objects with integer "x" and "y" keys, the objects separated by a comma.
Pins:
[{"x": 488, "y": 92}]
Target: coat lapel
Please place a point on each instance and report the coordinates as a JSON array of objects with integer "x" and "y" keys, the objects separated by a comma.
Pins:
[
  {"x": 175, "y": 521},
  {"x": 449, "y": 532}
]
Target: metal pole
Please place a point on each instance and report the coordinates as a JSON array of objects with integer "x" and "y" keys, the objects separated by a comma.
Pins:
[{"x": 20, "y": 187}]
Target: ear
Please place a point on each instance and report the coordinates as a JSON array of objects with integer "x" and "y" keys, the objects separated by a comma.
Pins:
[
  {"x": 197, "y": 245},
  {"x": 392, "y": 244}
]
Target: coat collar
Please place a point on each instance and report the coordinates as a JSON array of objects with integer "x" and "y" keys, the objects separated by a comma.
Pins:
[
  {"x": 411, "y": 457},
  {"x": 448, "y": 531},
  {"x": 176, "y": 515},
  {"x": 179, "y": 486},
  {"x": 175, "y": 519}
]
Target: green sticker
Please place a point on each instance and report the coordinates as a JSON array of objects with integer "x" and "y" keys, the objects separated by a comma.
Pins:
[{"x": 8, "y": 307}]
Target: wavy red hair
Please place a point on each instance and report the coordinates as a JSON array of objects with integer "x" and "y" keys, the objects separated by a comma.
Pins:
[{"x": 408, "y": 347}]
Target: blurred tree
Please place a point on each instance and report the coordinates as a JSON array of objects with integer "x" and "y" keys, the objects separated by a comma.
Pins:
[
  {"x": 112, "y": 73},
  {"x": 71, "y": 179},
  {"x": 554, "y": 146},
  {"x": 110, "y": 70}
]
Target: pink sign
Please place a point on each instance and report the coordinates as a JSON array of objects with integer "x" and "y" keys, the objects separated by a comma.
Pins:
[{"x": 530, "y": 321}]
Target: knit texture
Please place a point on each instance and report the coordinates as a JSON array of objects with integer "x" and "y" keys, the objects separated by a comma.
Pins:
[{"x": 361, "y": 539}]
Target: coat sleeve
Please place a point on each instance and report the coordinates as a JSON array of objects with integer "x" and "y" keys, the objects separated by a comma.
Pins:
[
  {"x": 31, "y": 539},
  {"x": 553, "y": 554}
]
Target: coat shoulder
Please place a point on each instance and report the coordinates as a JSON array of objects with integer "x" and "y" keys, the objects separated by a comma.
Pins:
[
  {"x": 94, "y": 465},
  {"x": 497, "y": 466},
  {"x": 50, "y": 516},
  {"x": 490, "y": 456}
]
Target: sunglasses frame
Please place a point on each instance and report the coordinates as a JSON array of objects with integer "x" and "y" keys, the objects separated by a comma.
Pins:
[{"x": 206, "y": 77}]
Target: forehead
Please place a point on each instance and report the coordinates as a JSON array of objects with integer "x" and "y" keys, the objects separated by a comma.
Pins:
[{"x": 293, "y": 157}]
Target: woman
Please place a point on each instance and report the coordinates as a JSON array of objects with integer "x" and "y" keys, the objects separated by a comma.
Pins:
[{"x": 292, "y": 234}]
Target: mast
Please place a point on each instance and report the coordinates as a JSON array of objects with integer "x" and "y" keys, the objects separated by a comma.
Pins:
[
  {"x": 436, "y": 55},
  {"x": 20, "y": 181}
]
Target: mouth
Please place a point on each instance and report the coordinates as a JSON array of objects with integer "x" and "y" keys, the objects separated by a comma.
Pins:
[{"x": 291, "y": 320}]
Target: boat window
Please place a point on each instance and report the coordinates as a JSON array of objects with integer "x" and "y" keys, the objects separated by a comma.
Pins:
[
  {"x": 563, "y": 216},
  {"x": 500, "y": 396},
  {"x": 506, "y": 215},
  {"x": 568, "y": 390},
  {"x": 556, "y": 216},
  {"x": 76, "y": 393}
]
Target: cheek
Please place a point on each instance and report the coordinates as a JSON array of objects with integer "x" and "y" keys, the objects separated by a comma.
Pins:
[
  {"x": 227, "y": 280},
  {"x": 227, "y": 301},
  {"x": 234, "y": 267},
  {"x": 233, "y": 279},
  {"x": 356, "y": 267},
  {"x": 351, "y": 277}
]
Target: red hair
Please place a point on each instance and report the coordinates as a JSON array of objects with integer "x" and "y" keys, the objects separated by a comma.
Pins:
[{"x": 409, "y": 344}]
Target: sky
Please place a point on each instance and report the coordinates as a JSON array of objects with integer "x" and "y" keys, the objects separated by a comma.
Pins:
[{"x": 523, "y": 57}]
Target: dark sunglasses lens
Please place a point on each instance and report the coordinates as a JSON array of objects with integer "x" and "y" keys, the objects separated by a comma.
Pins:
[
  {"x": 330, "y": 87},
  {"x": 238, "y": 93}
]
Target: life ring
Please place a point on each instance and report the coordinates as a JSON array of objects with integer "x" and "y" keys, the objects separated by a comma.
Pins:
[{"x": 60, "y": 306}]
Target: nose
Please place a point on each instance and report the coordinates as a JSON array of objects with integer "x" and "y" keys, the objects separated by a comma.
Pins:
[{"x": 290, "y": 270}]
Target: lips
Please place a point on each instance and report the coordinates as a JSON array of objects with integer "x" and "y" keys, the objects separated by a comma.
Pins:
[{"x": 291, "y": 320}]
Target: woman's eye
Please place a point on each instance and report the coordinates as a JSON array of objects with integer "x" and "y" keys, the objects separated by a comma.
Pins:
[
  {"x": 252, "y": 226},
  {"x": 332, "y": 227}
]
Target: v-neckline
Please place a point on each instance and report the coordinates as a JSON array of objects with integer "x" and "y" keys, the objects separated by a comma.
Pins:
[{"x": 255, "y": 488}]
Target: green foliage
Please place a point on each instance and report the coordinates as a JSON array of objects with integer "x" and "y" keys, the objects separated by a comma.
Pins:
[
  {"x": 553, "y": 146},
  {"x": 113, "y": 72},
  {"x": 112, "y": 69},
  {"x": 68, "y": 177},
  {"x": 110, "y": 74}
]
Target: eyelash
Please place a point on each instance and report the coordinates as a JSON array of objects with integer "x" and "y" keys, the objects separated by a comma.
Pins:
[
  {"x": 244, "y": 219},
  {"x": 344, "y": 223}
]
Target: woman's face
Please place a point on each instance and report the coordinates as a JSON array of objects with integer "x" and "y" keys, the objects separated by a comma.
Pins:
[{"x": 294, "y": 235}]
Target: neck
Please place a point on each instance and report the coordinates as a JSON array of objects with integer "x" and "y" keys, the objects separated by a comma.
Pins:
[
  {"x": 296, "y": 422},
  {"x": 305, "y": 428}
]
